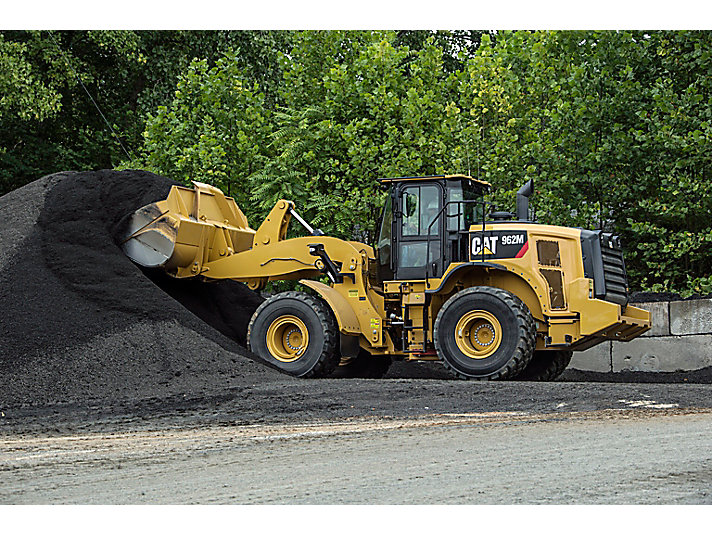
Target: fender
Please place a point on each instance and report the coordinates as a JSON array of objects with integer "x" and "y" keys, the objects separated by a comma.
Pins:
[
  {"x": 499, "y": 277},
  {"x": 461, "y": 267},
  {"x": 345, "y": 316}
]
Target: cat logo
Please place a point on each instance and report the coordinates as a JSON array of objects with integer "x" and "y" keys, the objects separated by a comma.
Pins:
[
  {"x": 498, "y": 244},
  {"x": 490, "y": 245}
]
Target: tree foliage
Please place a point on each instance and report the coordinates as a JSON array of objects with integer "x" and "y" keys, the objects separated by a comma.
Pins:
[
  {"x": 614, "y": 127},
  {"x": 214, "y": 130},
  {"x": 49, "y": 122},
  {"x": 381, "y": 113},
  {"x": 22, "y": 94}
]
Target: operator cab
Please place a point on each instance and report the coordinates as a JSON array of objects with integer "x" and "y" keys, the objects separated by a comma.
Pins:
[{"x": 425, "y": 224}]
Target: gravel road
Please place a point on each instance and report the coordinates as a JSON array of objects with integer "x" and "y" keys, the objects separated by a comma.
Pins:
[
  {"x": 602, "y": 457},
  {"x": 370, "y": 441}
]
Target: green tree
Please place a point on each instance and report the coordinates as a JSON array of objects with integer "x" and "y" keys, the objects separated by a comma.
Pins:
[
  {"x": 22, "y": 93},
  {"x": 128, "y": 73},
  {"x": 612, "y": 126},
  {"x": 73, "y": 136},
  {"x": 381, "y": 112},
  {"x": 355, "y": 108},
  {"x": 215, "y": 130}
]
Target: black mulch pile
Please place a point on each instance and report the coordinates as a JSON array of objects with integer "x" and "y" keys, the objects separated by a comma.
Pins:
[
  {"x": 648, "y": 296},
  {"x": 81, "y": 323},
  {"x": 699, "y": 376}
]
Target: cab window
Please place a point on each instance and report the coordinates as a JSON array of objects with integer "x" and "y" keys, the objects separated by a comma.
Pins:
[
  {"x": 384, "y": 237},
  {"x": 421, "y": 205},
  {"x": 474, "y": 213},
  {"x": 469, "y": 213}
]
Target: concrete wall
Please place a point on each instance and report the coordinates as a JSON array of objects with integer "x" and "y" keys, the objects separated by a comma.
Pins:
[{"x": 680, "y": 340}]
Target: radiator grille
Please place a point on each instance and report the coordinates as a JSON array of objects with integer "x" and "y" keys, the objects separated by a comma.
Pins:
[{"x": 616, "y": 281}]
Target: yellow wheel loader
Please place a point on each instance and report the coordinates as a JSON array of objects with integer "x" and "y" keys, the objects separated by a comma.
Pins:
[{"x": 491, "y": 296}]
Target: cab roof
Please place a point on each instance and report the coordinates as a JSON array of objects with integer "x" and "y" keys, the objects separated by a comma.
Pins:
[{"x": 435, "y": 176}]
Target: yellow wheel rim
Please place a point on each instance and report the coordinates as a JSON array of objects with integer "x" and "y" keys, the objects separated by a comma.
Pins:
[
  {"x": 287, "y": 338},
  {"x": 478, "y": 334}
]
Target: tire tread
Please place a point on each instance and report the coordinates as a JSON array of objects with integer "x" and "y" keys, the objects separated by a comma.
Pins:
[
  {"x": 552, "y": 365},
  {"x": 329, "y": 357},
  {"x": 525, "y": 344}
]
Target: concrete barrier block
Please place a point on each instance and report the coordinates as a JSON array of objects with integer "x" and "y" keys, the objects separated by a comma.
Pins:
[
  {"x": 672, "y": 353},
  {"x": 596, "y": 358},
  {"x": 691, "y": 317},
  {"x": 659, "y": 316}
]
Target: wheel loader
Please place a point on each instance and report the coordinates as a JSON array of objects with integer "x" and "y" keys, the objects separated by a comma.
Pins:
[{"x": 492, "y": 296}]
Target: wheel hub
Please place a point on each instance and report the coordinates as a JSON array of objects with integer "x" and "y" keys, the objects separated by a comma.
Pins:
[
  {"x": 478, "y": 334},
  {"x": 287, "y": 338}
]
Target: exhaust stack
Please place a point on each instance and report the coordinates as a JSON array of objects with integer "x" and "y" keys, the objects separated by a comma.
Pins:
[{"x": 523, "y": 200}]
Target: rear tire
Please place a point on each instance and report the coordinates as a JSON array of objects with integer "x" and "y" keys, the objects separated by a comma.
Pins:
[
  {"x": 364, "y": 365},
  {"x": 484, "y": 333},
  {"x": 546, "y": 365},
  {"x": 297, "y": 333}
]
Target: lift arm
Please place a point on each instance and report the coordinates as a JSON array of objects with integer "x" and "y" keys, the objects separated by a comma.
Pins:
[{"x": 200, "y": 232}]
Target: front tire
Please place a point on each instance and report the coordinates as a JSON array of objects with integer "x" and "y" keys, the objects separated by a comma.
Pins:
[
  {"x": 484, "y": 333},
  {"x": 297, "y": 333}
]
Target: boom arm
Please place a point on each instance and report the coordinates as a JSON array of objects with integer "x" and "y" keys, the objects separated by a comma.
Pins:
[{"x": 201, "y": 232}]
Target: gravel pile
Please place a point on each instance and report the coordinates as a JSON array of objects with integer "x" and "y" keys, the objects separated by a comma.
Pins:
[
  {"x": 648, "y": 296},
  {"x": 81, "y": 323}
]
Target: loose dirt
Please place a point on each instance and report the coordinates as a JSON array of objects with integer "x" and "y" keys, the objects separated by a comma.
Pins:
[{"x": 82, "y": 323}]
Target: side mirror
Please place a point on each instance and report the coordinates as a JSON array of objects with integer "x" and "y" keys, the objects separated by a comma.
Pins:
[{"x": 410, "y": 204}]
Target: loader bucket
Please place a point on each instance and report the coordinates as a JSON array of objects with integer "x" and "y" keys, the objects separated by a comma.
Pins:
[
  {"x": 151, "y": 236},
  {"x": 187, "y": 229}
]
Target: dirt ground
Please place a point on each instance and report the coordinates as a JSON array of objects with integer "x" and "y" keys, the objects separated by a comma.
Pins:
[
  {"x": 601, "y": 457},
  {"x": 373, "y": 442}
]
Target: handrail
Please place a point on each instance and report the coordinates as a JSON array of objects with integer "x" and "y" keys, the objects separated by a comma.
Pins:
[{"x": 459, "y": 212}]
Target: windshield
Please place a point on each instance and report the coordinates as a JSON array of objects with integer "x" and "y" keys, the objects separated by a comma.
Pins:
[{"x": 383, "y": 246}]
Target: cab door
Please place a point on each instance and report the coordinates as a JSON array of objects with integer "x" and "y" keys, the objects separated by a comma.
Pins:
[{"x": 418, "y": 247}]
